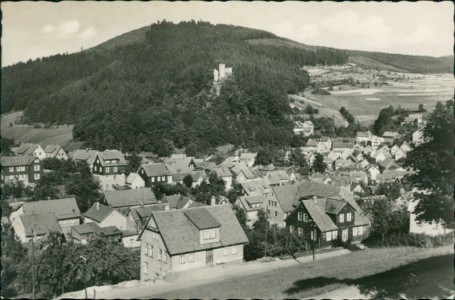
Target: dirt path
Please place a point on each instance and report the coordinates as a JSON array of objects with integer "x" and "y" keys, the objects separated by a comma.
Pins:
[{"x": 193, "y": 278}]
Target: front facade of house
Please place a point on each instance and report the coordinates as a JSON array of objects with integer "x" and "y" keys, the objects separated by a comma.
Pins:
[
  {"x": 27, "y": 169},
  {"x": 105, "y": 216},
  {"x": 109, "y": 163},
  {"x": 55, "y": 151},
  {"x": 155, "y": 173},
  {"x": 179, "y": 240}
]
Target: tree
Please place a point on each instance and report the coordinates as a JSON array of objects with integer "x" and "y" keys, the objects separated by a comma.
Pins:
[
  {"x": 264, "y": 157},
  {"x": 298, "y": 158},
  {"x": 134, "y": 163},
  {"x": 347, "y": 115},
  {"x": 319, "y": 165},
  {"x": 6, "y": 145},
  {"x": 191, "y": 149},
  {"x": 392, "y": 190},
  {"x": 188, "y": 181},
  {"x": 433, "y": 162},
  {"x": 421, "y": 108},
  {"x": 309, "y": 109},
  {"x": 84, "y": 186},
  {"x": 240, "y": 213}
]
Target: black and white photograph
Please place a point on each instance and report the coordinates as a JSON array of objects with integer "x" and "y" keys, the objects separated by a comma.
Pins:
[{"x": 227, "y": 150}]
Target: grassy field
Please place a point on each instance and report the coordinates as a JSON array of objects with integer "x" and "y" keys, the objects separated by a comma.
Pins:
[
  {"x": 313, "y": 278},
  {"x": 365, "y": 106},
  {"x": 28, "y": 134}
]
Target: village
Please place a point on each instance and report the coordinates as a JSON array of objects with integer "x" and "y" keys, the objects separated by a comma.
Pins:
[{"x": 322, "y": 207}]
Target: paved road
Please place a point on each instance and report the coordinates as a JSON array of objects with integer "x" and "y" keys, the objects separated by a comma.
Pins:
[{"x": 192, "y": 278}]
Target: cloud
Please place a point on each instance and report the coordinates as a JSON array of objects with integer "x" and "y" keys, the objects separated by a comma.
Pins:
[
  {"x": 88, "y": 33},
  {"x": 62, "y": 30},
  {"x": 309, "y": 31}
]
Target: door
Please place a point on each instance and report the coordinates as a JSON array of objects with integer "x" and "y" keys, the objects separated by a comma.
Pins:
[
  {"x": 344, "y": 235},
  {"x": 209, "y": 257}
]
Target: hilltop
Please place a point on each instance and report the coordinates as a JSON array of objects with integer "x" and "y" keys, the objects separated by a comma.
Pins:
[{"x": 152, "y": 88}]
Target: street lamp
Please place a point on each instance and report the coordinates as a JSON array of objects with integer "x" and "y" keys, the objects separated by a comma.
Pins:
[{"x": 83, "y": 269}]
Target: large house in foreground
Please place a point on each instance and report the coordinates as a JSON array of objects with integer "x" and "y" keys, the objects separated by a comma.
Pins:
[{"x": 179, "y": 240}]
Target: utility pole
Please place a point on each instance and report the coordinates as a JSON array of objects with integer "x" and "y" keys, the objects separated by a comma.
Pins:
[
  {"x": 265, "y": 245},
  {"x": 83, "y": 274},
  {"x": 33, "y": 265}
]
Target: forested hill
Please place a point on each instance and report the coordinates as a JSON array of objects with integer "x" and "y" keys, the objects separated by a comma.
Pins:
[{"x": 157, "y": 93}]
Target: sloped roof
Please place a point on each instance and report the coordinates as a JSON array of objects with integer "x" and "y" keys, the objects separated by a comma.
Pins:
[
  {"x": 180, "y": 235},
  {"x": 222, "y": 171},
  {"x": 176, "y": 201},
  {"x": 178, "y": 164},
  {"x": 275, "y": 177},
  {"x": 11, "y": 161},
  {"x": 357, "y": 174},
  {"x": 86, "y": 155},
  {"x": 392, "y": 174},
  {"x": 116, "y": 155},
  {"x": 363, "y": 134},
  {"x": 333, "y": 206},
  {"x": 100, "y": 213},
  {"x": 248, "y": 155},
  {"x": 134, "y": 197},
  {"x": 256, "y": 187},
  {"x": 360, "y": 216},
  {"x": 63, "y": 208},
  {"x": 40, "y": 223},
  {"x": 319, "y": 217},
  {"x": 311, "y": 143},
  {"x": 286, "y": 196},
  {"x": 109, "y": 230},
  {"x": 342, "y": 145},
  {"x": 157, "y": 169},
  {"x": 91, "y": 227},
  {"x": 202, "y": 219},
  {"x": 131, "y": 177},
  {"x": 26, "y": 149},
  {"x": 52, "y": 148}
]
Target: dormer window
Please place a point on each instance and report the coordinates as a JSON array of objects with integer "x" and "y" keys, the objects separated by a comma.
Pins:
[
  {"x": 341, "y": 218},
  {"x": 209, "y": 235}
]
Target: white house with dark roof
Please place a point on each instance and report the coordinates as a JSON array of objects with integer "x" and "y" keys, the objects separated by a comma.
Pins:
[
  {"x": 134, "y": 181},
  {"x": 65, "y": 210},
  {"x": 178, "y": 240},
  {"x": 30, "y": 149},
  {"x": 36, "y": 226},
  {"x": 106, "y": 216},
  {"x": 55, "y": 151},
  {"x": 252, "y": 205}
]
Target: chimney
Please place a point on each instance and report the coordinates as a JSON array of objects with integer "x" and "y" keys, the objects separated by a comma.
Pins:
[
  {"x": 166, "y": 206},
  {"x": 213, "y": 201},
  {"x": 97, "y": 205},
  {"x": 314, "y": 199},
  {"x": 142, "y": 203}
]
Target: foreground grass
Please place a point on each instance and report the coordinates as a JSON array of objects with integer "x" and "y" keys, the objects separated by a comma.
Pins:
[{"x": 312, "y": 278}]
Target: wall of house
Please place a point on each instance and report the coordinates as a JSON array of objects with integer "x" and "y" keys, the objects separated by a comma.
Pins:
[
  {"x": 131, "y": 241},
  {"x": 227, "y": 182},
  {"x": 39, "y": 152},
  {"x": 107, "y": 181},
  {"x": 365, "y": 230},
  {"x": 138, "y": 183},
  {"x": 276, "y": 215},
  {"x": 115, "y": 219},
  {"x": 228, "y": 254},
  {"x": 66, "y": 225},
  {"x": 16, "y": 223},
  {"x": 200, "y": 258},
  {"x": 157, "y": 267},
  {"x": 307, "y": 228}
]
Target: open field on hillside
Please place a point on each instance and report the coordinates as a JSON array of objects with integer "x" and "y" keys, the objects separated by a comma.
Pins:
[
  {"x": 28, "y": 134},
  {"x": 308, "y": 280},
  {"x": 365, "y": 104}
]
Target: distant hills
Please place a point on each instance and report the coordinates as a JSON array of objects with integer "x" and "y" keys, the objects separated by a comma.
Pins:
[{"x": 151, "y": 89}]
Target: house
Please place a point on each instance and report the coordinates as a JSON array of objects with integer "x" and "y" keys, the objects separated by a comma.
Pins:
[
  {"x": 387, "y": 164},
  {"x": 358, "y": 147},
  {"x": 155, "y": 173},
  {"x": 390, "y": 136},
  {"x": 276, "y": 178},
  {"x": 222, "y": 73},
  {"x": 333, "y": 155},
  {"x": 321, "y": 178},
  {"x": 35, "y": 226},
  {"x": 376, "y": 141},
  {"x": 139, "y": 215},
  {"x": 251, "y": 205},
  {"x": 417, "y": 137},
  {"x": 197, "y": 178},
  {"x": 178, "y": 240},
  {"x": 321, "y": 221},
  {"x": 27, "y": 169},
  {"x": 405, "y": 147},
  {"x": 394, "y": 149},
  {"x": 358, "y": 176},
  {"x": 30, "y": 149},
  {"x": 134, "y": 181},
  {"x": 286, "y": 197},
  {"x": 243, "y": 173},
  {"x": 363, "y": 136},
  {"x": 109, "y": 163},
  {"x": 359, "y": 188},
  {"x": 373, "y": 171},
  {"x": 416, "y": 117},
  {"x": 224, "y": 173},
  {"x": 324, "y": 145},
  {"x": 310, "y": 146},
  {"x": 82, "y": 233},
  {"x": 65, "y": 210},
  {"x": 203, "y": 165},
  {"x": 84, "y": 155},
  {"x": 427, "y": 228},
  {"x": 248, "y": 158},
  {"x": 343, "y": 164},
  {"x": 399, "y": 154},
  {"x": 380, "y": 155},
  {"x": 179, "y": 163},
  {"x": 259, "y": 187},
  {"x": 392, "y": 175},
  {"x": 124, "y": 199},
  {"x": 177, "y": 201},
  {"x": 130, "y": 239},
  {"x": 55, "y": 151},
  {"x": 305, "y": 128},
  {"x": 106, "y": 216}
]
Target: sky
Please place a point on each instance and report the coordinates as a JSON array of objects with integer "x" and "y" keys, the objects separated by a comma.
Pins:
[{"x": 36, "y": 29}]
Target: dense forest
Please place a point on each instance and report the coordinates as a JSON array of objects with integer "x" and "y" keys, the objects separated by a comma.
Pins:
[{"x": 158, "y": 94}]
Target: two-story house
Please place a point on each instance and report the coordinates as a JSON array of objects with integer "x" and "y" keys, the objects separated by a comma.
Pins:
[
  {"x": 109, "y": 162},
  {"x": 55, "y": 151},
  {"x": 27, "y": 169},
  {"x": 30, "y": 149},
  {"x": 155, "y": 173},
  {"x": 179, "y": 240},
  {"x": 86, "y": 155},
  {"x": 252, "y": 205}
]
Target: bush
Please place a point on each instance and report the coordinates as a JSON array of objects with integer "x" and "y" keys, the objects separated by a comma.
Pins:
[
  {"x": 411, "y": 239},
  {"x": 320, "y": 92}
]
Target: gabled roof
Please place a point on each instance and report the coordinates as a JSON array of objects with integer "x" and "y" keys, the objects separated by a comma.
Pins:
[
  {"x": 26, "y": 149},
  {"x": 85, "y": 155},
  {"x": 63, "y": 208},
  {"x": 342, "y": 145},
  {"x": 360, "y": 217},
  {"x": 320, "y": 218},
  {"x": 256, "y": 187},
  {"x": 247, "y": 156},
  {"x": 333, "y": 206},
  {"x": 311, "y": 143},
  {"x": 392, "y": 174},
  {"x": 176, "y": 201},
  {"x": 11, "y": 161},
  {"x": 363, "y": 134},
  {"x": 248, "y": 202},
  {"x": 178, "y": 164},
  {"x": 222, "y": 171},
  {"x": 157, "y": 169},
  {"x": 132, "y": 176},
  {"x": 275, "y": 177},
  {"x": 109, "y": 230},
  {"x": 52, "y": 148},
  {"x": 134, "y": 197},
  {"x": 202, "y": 219},
  {"x": 40, "y": 223},
  {"x": 98, "y": 212},
  {"x": 180, "y": 235},
  {"x": 111, "y": 155}
]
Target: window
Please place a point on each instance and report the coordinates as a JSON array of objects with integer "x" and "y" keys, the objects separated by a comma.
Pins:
[
  {"x": 334, "y": 235},
  {"x": 300, "y": 231},
  {"x": 146, "y": 249},
  {"x": 155, "y": 236},
  {"x": 226, "y": 251},
  {"x": 210, "y": 234},
  {"x": 96, "y": 168},
  {"x": 36, "y": 176},
  {"x": 348, "y": 217},
  {"x": 276, "y": 214},
  {"x": 313, "y": 234},
  {"x": 153, "y": 179},
  {"x": 291, "y": 228},
  {"x": 151, "y": 251},
  {"x": 305, "y": 218},
  {"x": 35, "y": 167},
  {"x": 299, "y": 216},
  {"x": 161, "y": 254},
  {"x": 354, "y": 231},
  {"x": 115, "y": 169},
  {"x": 163, "y": 178},
  {"x": 182, "y": 259},
  {"x": 107, "y": 169},
  {"x": 360, "y": 230},
  {"x": 328, "y": 236},
  {"x": 191, "y": 257},
  {"x": 11, "y": 169},
  {"x": 146, "y": 267},
  {"x": 341, "y": 218},
  {"x": 164, "y": 257},
  {"x": 234, "y": 250}
]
